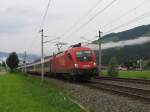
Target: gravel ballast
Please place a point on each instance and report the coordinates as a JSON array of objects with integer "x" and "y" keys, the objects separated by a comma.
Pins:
[{"x": 100, "y": 101}]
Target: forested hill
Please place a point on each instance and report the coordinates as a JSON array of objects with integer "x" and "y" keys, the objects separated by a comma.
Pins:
[
  {"x": 134, "y": 33},
  {"x": 127, "y": 53}
]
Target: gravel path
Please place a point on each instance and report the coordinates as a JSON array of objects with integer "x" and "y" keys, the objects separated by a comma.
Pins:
[
  {"x": 100, "y": 101},
  {"x": 128, "y": 84}
]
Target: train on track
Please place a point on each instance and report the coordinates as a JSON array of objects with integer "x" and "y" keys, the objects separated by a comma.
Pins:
[{"x": 77, "y": 62}]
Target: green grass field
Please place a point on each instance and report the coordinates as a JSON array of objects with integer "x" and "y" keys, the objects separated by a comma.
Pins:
[
  {"x": 19, "y": 93},
  {"x": 131, "y": 74}
]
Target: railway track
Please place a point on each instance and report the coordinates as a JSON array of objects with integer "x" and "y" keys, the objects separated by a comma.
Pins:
[
  {"x": 139, "y": 81},
  {"x": 133, "y": 92}
]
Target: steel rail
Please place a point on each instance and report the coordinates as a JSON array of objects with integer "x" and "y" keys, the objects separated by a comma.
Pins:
[
  {"x": 140, "y": 81},
  {"x": 140, "y": 94}
]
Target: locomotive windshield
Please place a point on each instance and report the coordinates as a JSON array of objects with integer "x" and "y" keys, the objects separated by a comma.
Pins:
[{"x": 84, "y": 55}]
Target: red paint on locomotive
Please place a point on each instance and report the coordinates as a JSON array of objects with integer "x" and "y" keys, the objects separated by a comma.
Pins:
[{"x": 75, "y": 60}]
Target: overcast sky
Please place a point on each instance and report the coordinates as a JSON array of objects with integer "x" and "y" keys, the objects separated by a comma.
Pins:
[{"x": 20, "y": 21}]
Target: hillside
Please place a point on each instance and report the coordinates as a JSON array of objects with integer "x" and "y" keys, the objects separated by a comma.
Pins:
[
  {"x": 134, "y": 52},
  {"x": 134, "y": 33}
]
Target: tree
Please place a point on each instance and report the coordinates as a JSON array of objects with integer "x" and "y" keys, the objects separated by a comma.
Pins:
[
  {"x": 12, "y": 61},
  {"x": 112, "y": 68},
  {"x": 128, "y": 63},
  {"x": 3, "y": 64},
  {"x": 148, "y": 65},
  {"x": 0, "y": 66}
]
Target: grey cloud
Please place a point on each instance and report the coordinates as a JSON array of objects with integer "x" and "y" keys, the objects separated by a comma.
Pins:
[{"x": 109, "y": 45}]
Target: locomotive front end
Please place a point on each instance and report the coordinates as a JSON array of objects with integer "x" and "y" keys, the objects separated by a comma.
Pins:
[{"x": 85, "y": 64}]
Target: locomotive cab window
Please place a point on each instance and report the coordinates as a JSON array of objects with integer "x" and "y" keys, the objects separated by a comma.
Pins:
[{"x": 84, "y": 56}]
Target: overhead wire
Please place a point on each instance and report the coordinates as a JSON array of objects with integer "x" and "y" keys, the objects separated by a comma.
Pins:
[
  {"x": 92, "y": 18},
  {"x": 82, "y": 17},
  {"x": 129, "y": 22},
  {"x": 41, "y": 25},
  {"x": 45, "y": 14},
  {"x": 126, "y": 13}
]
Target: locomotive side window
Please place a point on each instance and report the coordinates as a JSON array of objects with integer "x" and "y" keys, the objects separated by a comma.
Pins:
[
  {"x": 69, "y": 56},
  {"x": 84, "y": 56}
]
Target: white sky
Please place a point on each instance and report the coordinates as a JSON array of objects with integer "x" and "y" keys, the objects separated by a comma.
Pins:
[{"x": 20, "y": 21}]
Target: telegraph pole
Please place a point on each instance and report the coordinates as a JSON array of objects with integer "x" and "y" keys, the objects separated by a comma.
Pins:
[
  {"x": 140, "y": 64},
  {"x": 25, "y": 57},
  {"x": 42, "y": 51},
  {"x": 42, "y": 56},
  {"x": 100, "y": 51}
]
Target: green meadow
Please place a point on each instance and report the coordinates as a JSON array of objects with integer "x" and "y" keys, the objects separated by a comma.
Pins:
[
  {"x": 131, "y": 74},
  {"x": 20, "y": 93}
]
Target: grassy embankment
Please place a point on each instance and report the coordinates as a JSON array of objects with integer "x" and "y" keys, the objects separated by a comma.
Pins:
[
  {"x": 131, "y": 74},
  {"x": 19, "y": 93}
]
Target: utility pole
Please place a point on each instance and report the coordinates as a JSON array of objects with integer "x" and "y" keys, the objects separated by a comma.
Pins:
[
  {"x": 42, "y": 51},
  {"x": 100, "y": 52},
  {"x": 25, "y": 57},
  {"x": 140, "y": 64},
  {"x": 42, "y": 56}
]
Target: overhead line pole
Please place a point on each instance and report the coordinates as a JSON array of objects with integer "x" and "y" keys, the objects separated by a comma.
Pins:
[
  {"x": 25, "y": 56},
  {"x": 42, "y": 52},
  {"x": 42, "y": 55},
  {"x": 100, "y": 52}
]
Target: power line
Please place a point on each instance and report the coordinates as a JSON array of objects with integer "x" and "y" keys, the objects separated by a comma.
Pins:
[
  {"x": 45, "y": 14},
  {"x": 129, "y": 22},
  {"x": 41, "y": 25},
  {"x": 32, "y": 42},
  {"x": 92, "y": 18},
  {"x": 82, "y": 17},
  {"x": 126, "y": 13}
]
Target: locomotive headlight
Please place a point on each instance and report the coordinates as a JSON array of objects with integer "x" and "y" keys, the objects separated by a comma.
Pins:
[
  {"x": 76, "y": 65},
  {"x": 94, "y": 64}
]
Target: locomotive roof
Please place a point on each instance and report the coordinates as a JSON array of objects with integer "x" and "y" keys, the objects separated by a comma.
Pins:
[{"x": 80, "y": 48}]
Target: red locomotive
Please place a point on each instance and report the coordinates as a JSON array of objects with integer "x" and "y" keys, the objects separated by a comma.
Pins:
[{"x": 77, "y": 63}]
